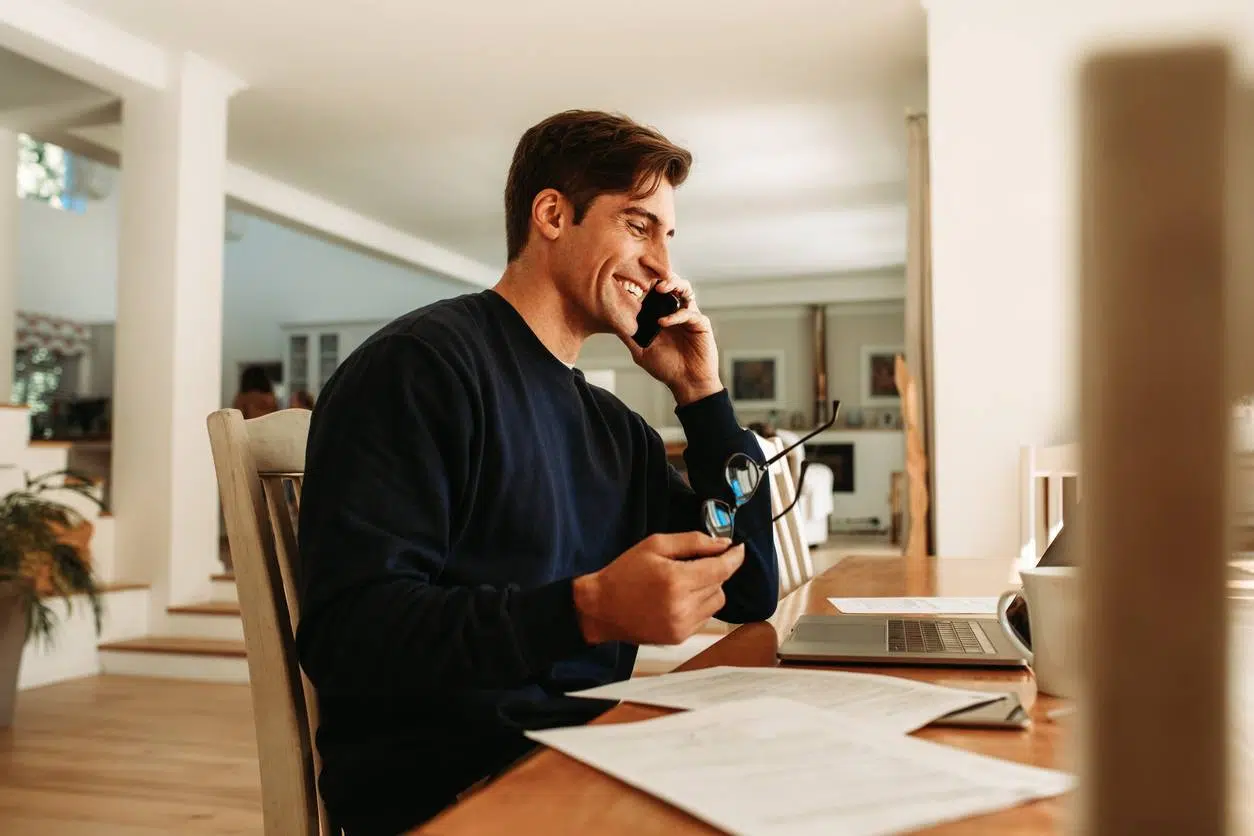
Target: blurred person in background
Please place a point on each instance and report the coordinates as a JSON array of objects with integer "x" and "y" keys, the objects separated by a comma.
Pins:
[{"x": 256, "y": 394}]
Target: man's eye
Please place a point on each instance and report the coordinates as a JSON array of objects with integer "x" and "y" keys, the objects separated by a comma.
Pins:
[{"x": 637, "y": 228}]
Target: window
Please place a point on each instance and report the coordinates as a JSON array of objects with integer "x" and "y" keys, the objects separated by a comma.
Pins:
[
  {"x": 45, "y": 172},
  {"x": 37, "y": 378}
]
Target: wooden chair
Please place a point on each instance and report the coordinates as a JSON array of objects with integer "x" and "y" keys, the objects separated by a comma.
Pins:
[
  {"x": 260, "y": 465},
  {"x": 1042, "y": 513},
  {"x": 791, "y": 549}
]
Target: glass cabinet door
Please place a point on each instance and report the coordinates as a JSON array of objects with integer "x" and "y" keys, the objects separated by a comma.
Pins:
[
  {"x": 298, "y": 360},
  {"x": 328, "y": 356}
]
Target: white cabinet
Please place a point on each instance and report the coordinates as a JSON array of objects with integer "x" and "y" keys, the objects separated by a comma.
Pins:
[{"x": 312, "y": 352}]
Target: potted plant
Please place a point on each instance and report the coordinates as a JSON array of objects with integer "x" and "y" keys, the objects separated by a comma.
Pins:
[{"x": 44, "y": 553}]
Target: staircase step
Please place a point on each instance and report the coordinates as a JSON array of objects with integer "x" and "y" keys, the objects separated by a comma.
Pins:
[
  {"x": 225, "y": 608},
  {"x": 208, "y": 619},
  {"x": 180, "y": 645},
  {"x": 118, "y": 586},
  {"x": 14, "y": 430},
  {"x": 223, "y": 588},
  {"x": 177, "y": 657}
]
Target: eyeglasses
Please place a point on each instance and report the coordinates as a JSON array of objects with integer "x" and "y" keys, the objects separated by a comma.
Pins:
[{"x": 744, "y": 477}]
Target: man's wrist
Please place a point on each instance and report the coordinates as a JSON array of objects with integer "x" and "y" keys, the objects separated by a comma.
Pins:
[
  {"x": 586, "y": 590},
  {"x": 691, "y": 393}
]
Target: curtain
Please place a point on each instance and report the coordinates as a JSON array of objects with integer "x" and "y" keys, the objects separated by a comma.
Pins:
[
  {"x": 919, "y": 316},
  {"x": 56, "y": 336}
]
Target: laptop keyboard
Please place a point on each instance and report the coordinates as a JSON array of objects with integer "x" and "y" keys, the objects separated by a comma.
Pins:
[{"x": 915, "y": 636}]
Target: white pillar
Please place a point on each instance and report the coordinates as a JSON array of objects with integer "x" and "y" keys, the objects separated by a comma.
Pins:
[
  {"x": 169, "y": 331},
  {"x": 9, "y": 206}
]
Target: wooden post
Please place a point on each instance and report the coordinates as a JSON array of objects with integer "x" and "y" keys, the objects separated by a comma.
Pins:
[
  {"x": 1155, "y": 428},
  {"x": 818, "y": 327}
]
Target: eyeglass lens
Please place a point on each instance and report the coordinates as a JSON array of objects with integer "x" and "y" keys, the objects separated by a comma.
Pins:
[
  {"x": 719, "y": 518},
  {"x": 743, "y": 477}
]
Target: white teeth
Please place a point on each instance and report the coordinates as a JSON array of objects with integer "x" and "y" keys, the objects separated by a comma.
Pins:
[{"x": 633, "y": 289}]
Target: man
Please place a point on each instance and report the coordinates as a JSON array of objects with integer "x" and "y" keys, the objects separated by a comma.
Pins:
[{"x": 484, "y": 532}]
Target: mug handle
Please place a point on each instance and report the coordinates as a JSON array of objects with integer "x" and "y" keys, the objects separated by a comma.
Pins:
[{"x": 1003, "y": 603}]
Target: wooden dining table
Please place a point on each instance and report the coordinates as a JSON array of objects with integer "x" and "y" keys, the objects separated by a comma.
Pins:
[{"x": 551, "y": 793}]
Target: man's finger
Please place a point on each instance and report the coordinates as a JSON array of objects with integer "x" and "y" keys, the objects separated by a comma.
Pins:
[
  {"x": 673, "y": 282},
  {"x": 714, "y": 571},
  {"x": 690, "y": 544},
  {"x": 701, "y": 607},
  {"x": 709, "y": 605},
  {"x": 678, "y": 318}
]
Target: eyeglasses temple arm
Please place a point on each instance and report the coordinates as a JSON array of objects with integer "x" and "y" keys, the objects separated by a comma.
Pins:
[
  {"x": 805, "y": 438},
  {"x": 801, "y": 480}
]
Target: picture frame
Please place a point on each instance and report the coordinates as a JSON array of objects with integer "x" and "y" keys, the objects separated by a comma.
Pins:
[
  {"x": 878, "y": 370},
  {"x": 755, "y": 379}
]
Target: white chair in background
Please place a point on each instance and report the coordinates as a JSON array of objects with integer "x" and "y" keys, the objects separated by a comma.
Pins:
[
  {"x": 815, "y": 506},
  {"x": 1048, "y": 491}
]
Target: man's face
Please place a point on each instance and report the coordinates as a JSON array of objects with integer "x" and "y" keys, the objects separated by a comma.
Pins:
[{"x": 606, "y": 264}]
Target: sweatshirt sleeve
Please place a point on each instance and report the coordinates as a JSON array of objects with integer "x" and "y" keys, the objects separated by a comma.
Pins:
[
  {"x": 389, "y": 451},
  {"x": 713, "y": 436}
]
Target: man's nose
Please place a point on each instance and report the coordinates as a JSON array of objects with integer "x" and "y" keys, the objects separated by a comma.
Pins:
[{"x": 657, "y": 261}]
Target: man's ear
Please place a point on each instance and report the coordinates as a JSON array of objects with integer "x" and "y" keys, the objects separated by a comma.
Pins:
[{"x": 548, "y": 212}]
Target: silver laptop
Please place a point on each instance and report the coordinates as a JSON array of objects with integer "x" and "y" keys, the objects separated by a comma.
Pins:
[
  {"x": 915, "y": 640},
  {"x": 900, "y": 640}
]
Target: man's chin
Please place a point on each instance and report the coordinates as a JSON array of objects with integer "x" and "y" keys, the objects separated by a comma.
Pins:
[{"x": 622, "y": 326}]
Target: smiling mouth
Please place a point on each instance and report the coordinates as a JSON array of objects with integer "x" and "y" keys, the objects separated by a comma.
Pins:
[{"x": 632, "y": 289}]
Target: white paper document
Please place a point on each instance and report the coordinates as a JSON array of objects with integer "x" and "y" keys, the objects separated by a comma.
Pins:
[
  {"x": 915, "y": 606},
  {"x": 771, "y": 766},
  {"x": 888, "y": 703}
]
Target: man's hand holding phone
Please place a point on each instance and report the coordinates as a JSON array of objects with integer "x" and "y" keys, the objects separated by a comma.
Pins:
[{"x": 683, "y": 354}]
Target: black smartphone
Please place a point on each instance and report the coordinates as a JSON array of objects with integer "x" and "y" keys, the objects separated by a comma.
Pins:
[
  {"x": 1004, "y": 713},
  {"x": 655, "y": 306}
]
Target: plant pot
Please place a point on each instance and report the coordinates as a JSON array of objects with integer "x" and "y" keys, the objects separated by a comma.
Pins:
[{"x": 12, "y": 639}]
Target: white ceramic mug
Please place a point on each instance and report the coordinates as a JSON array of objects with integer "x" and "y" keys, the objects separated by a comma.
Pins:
[{"x": 1052, "y": 595}]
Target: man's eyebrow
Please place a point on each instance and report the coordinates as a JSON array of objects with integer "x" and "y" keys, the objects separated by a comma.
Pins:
[{"x": 644, "y": 213}]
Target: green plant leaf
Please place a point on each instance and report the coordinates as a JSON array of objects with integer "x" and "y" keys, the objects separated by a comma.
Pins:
[{"x": 31, "y": 532}]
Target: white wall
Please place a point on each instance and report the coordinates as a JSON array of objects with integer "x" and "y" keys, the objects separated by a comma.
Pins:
[
  {"x": 67, "y": 262},
  {"x": 276, "y": 275},
  {"x": 273, "y": 275},
  {"x": 786, "y": 329},
  {"x": 1004, "y": 227}
]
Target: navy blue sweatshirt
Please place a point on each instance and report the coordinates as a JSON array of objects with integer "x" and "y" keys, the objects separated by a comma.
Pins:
[{"x": 458, "y": 477}]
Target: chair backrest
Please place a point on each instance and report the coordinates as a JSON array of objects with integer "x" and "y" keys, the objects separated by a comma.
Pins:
[
  {"x": 1048, "y": 491},
  {"x": 796, "y": 455},
  {"x": 784, "y": 488},
  {"x": 791, "y": 550},
  {"x": 260, "y": 465}
]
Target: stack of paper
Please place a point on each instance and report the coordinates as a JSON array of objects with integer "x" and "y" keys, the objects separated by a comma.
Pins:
[
  {"x": 774, "y": 766},
  {"x": 888, "y": 703}
]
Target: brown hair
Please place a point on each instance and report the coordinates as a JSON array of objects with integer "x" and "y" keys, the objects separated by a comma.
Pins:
[{"x": 583, "y": 154}]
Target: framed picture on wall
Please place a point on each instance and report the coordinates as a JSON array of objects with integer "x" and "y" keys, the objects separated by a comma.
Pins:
[
  {"x": 755, "y": 379},
  {"x": 879, "y": 375}
]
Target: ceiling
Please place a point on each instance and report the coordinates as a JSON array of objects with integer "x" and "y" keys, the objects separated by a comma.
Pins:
[
  {"x": 408, "y": 112},
  {"x": 29, "y": 85}
]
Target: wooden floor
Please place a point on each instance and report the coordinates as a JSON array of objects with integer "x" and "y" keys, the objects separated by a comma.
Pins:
[
  {"x": 116, "y": 756},
  {"x": 130, "y": 756}
]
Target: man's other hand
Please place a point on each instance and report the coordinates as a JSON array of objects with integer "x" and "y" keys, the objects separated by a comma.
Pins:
[{"x": 660, "y": 591}]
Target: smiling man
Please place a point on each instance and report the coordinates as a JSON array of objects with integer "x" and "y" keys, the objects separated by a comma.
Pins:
[{"x": 482, "y": 531}]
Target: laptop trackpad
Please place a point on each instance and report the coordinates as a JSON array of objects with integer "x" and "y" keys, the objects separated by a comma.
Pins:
[{"x": 845, "y": 633}]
